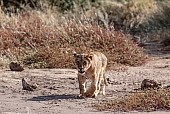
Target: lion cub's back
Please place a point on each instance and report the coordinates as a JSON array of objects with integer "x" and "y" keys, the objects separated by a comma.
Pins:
[{"x": 101, "y": 58}]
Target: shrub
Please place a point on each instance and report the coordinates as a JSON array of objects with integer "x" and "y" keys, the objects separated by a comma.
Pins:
[
  {"x": 131, "y": 17},
  {"x": 149, "y": 100},
  {"x": 31, "y": 34}
]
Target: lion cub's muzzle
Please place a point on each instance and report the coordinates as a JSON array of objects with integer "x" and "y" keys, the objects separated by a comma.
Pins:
[{"x": 81, "y": 70}]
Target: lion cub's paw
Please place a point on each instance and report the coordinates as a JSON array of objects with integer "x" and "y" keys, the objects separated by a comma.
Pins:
[
  {"x": 89, "y": 95},
  {"x": 80, "y": 96}
]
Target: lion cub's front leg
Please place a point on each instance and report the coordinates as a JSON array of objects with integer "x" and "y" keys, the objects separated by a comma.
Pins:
[
  {"x": 82, "y": 84},
  {"x": 93, "y": 90}
]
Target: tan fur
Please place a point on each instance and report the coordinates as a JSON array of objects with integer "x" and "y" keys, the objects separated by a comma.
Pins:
[{"x": 91, "y": 66}]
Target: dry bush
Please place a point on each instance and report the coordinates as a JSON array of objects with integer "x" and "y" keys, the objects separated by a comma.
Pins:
[
  {"x": 46, "y": 57},
  {"x": 131, "y": 17},
  {"x": 149, "y": 100},
  {"x": 160, "y": 22},
  {"x": 38, "y": 40},
  {"x": 146, "y": 19},
  {"x": 85, "y": 37},
  {"x": 137, "y": 17}
]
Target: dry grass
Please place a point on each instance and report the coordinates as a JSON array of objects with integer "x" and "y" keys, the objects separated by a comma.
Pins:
[
  {"x": 149, "y": 100},
  {"x": 146, "y": 19},
  {"x": 42, "y": 40},
  {"x": 132, "y": 16}
]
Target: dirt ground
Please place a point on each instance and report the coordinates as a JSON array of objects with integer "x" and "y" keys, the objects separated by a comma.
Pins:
[{"x": 58, "y": 89}]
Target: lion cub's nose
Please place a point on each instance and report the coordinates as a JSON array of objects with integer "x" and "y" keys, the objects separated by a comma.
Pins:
[{"x": 81, "y": 70}]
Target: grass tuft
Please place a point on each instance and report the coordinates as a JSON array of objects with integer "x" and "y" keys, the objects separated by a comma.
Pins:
[{"x": 150, "y": 100}]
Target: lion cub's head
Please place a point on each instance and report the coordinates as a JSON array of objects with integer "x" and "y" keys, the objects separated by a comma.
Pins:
[{"x": 83, "y": 61}]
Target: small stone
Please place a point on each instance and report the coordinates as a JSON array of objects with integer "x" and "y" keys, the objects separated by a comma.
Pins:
[
  {"x": 28, "y": 87},
  {"x": 14, "y": 66},
  {"x": 148, "y": 84}
]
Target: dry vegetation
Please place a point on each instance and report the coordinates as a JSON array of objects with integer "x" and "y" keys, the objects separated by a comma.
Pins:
[
  {"x": 42, "y": 40},
  {"x": 150, "y": 100},
  {"x": 46, "y": 39}
]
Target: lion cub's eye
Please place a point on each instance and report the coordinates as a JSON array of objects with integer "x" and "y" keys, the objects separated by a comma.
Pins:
[{"x": 84, "y": 63}]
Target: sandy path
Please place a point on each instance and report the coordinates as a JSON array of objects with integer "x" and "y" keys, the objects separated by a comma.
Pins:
[{"x": 58, "y": 89}]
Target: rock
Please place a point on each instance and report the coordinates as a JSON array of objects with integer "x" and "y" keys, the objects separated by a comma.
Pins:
[
  {"x": 27, "y": 86},
  {"x": 148, "y": 84},
  {"x": 14, "y": 66}
]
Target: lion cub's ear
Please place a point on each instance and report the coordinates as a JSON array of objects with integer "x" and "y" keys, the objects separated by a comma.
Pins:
[{"x": 90, "y": 56}]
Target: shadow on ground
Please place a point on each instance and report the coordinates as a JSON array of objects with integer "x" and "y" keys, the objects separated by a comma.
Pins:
[{"x": 54, "y": 97}]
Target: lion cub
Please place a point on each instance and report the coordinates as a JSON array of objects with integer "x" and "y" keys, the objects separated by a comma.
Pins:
[{"x": 91, "y": 66}]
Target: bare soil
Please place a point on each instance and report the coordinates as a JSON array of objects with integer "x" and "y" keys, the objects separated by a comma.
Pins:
[{"x": 58, "y": 88}]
